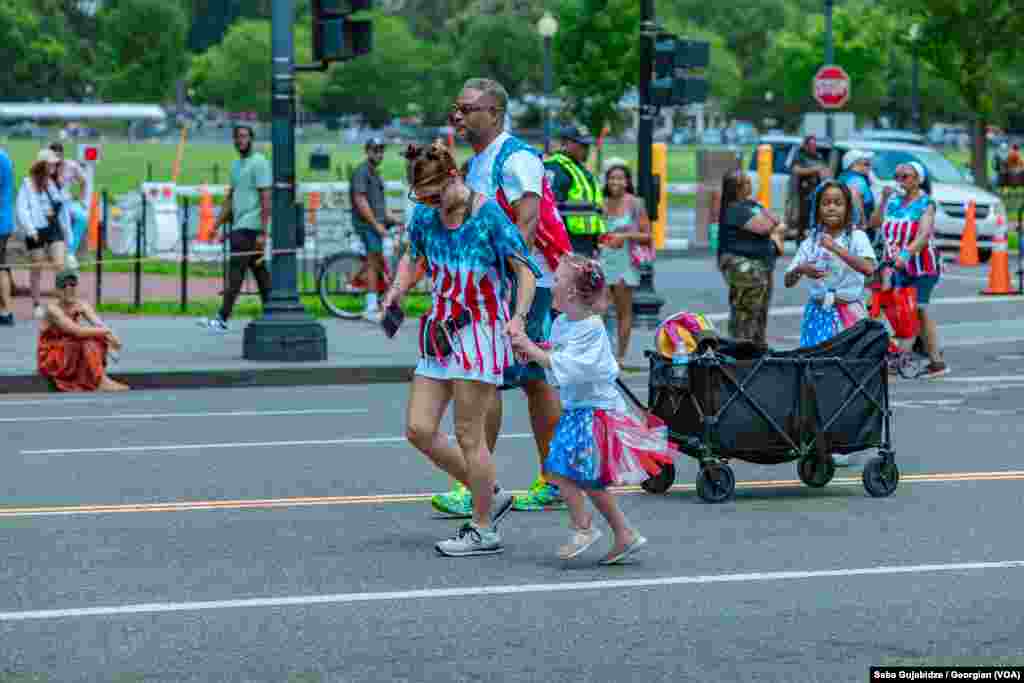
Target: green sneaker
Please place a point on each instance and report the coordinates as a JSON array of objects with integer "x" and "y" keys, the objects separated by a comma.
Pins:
[
  {"x": 541, "y": 496},
  {"x": 457, "y": 503}
]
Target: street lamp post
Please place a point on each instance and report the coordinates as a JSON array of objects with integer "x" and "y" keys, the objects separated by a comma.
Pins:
[
  {"x": 547, "y": 27},
  {"x": 829, "y": 57},
  {"x": 285, "y": 332},
  {"x": 915, "y": 33}
]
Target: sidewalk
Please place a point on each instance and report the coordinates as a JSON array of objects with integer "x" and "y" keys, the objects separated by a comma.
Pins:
[{"x": 165, "y": 353}]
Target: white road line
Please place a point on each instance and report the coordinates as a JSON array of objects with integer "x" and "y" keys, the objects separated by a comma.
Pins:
[
  {"x": 164, "y": 416},
  {"x": 983, "y": 379},
  {"x": 485, "y": 591},
  {"x": 365, "y": 441}
]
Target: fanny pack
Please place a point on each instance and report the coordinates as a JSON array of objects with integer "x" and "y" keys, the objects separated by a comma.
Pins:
[{"x": 440, "y": 333}]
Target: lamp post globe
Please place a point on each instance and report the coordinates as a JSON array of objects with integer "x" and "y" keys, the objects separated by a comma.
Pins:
[{"x": 547, "y": 26}]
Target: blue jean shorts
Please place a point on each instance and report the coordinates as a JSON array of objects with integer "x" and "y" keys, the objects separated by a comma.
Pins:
[
  {"x": 371, "y": 240},
  {"x": 538, "y": 329},
  {"x": 922, "y": 284}
]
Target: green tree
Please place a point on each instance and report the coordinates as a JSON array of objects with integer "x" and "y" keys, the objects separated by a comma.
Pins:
[
  {"x": 861, "y": 34},
  {"x": 970, "y": 43},
  {"x": 141, "y": 64},
  {"x": 401, "y": 76},
  {"x": 235, "y": 74},
  {"x": 510, "y": 52},
  {"x": 597, "y": 57}
]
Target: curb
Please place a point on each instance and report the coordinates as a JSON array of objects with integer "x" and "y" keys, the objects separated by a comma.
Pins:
[{"x": 243, "y": 377}]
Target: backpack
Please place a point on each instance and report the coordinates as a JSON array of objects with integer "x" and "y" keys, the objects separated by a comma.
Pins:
[{"x": 551, "y": 237}]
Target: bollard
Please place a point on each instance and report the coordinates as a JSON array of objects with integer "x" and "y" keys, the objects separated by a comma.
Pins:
[
  {"x": 184, "y": 255},
  {"x": 101, "y": 244},
  {"x": 764, "y": 176},
  {"x": 140, "y": 233}
]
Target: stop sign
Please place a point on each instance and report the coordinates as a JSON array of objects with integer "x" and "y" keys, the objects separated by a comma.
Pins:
[{"x": 831, "y": 87}]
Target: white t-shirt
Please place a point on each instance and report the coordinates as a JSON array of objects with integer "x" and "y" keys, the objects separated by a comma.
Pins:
[
  {"x": 523, "y": 172},
  {"x": 846, "y": 282}
]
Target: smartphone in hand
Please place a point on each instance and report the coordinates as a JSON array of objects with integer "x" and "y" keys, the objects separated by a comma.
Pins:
[{"x": 392, "y": 320}]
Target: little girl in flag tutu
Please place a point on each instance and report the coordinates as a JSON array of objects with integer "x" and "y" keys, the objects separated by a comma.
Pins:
[{"x": 598, "y": 442}]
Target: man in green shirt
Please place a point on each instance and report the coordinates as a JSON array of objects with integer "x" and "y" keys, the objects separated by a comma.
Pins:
[{"x": 248, "y": 208}]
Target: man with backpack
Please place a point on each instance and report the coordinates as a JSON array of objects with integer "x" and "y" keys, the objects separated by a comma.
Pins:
[{"x": 508, "y": 170}]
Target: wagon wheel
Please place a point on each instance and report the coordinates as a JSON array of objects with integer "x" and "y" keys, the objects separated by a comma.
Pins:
[
  {"x": 814, "y": 472},
  {"x": 880, "y": 477},
  {"x": 661, "y": 482},
  {"x": 716, "y": 483}
]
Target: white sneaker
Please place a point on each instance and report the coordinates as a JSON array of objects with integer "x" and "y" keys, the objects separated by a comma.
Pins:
[
  {"x": 579, "y": 542},
  {"x": 214, "y": 325},
  {"x": 38, "y": 312},
  {"x": 471, "y": 540},
  {"x": 374, "y": 316}
]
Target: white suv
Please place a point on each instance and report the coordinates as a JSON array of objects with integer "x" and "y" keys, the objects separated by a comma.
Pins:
[{"x": 951, "y": 189}]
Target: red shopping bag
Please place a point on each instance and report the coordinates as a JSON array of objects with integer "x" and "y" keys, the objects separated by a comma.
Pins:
[{"x": 902, "y": 312}]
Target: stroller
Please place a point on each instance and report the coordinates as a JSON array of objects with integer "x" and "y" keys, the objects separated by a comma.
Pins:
[{"x": 739, "y": 400}]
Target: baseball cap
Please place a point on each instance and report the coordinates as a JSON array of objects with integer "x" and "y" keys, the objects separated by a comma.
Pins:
[
  {"x": 65, "y": 276},
  {"x": 855, "y": 155},
  {"x": 375, "y": 142},
  {"x": 576, "y": 135}
]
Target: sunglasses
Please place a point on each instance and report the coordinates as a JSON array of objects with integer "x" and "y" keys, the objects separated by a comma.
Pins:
[{"x": 903, "y": 176}]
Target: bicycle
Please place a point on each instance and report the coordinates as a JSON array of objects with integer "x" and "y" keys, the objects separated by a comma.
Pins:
[{"x": 341, "y": 277}]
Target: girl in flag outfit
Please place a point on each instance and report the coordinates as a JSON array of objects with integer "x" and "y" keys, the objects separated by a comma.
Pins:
[
  {"x": 598, "y": 442},
  {"x": 835, "y": 259}
]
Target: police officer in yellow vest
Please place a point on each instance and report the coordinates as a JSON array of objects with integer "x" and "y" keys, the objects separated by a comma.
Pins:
[{"x": 575, "y": 186}]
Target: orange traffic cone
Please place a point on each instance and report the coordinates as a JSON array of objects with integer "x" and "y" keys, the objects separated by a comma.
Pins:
[
  {"x": 206, "y": 218},
  {"x": 999, "y": 268},
  {"x": 969, "y": 241},
  {"x": 94, "y": 221},
  {"x": 312, "y": 208}
]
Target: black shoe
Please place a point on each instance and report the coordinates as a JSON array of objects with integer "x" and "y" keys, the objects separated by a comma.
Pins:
[
  {"x": 918, "y": 347},
  {"x": 7, "y": 320}
]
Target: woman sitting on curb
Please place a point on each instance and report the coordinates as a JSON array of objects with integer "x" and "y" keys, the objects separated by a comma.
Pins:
[{"x": 73, "y": 355}]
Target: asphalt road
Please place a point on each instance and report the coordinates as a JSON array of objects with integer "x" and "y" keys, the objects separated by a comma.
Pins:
[{"x": 285, "y": 535}]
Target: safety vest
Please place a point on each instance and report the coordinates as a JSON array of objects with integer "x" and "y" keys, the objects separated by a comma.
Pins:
[{"x": 584, "y": 188}]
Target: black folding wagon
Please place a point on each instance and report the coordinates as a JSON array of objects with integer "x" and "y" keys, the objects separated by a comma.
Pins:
[{"x": 738, "y": 400}]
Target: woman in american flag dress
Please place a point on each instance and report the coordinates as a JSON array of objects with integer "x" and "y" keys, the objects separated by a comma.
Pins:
[{"x": 475, "y": 257}]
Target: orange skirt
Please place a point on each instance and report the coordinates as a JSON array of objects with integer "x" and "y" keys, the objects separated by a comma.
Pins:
[{"x": 73, "y": 364}]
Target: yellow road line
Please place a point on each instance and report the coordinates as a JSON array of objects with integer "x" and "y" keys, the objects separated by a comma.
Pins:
[{"x": 380, "y": 499}]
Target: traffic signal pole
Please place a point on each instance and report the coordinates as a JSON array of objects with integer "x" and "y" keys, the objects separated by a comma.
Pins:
[
  {"x": 829, "y": 57},
  {"x": 285, "y": 332},
  {"x": 645, "y": 134},
  {"x": 646, "y": 302}
]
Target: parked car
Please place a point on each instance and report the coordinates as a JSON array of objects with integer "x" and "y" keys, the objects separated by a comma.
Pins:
[
  {"x": 888, "y": 135},
  {"x": 712, "y": 136},
  {"x": 951, "y": 189}
]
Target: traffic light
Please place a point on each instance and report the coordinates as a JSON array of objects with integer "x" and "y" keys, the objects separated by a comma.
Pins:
[
  {"x": 664, "y": 70},
  {"x": 673, "y": 83},
  {"x": 336, "y": 36}
]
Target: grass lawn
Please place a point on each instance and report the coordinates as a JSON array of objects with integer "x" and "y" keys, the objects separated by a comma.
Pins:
[
  {"x": 125, "y": 165},
  {"x": 248, "y": 306}
]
